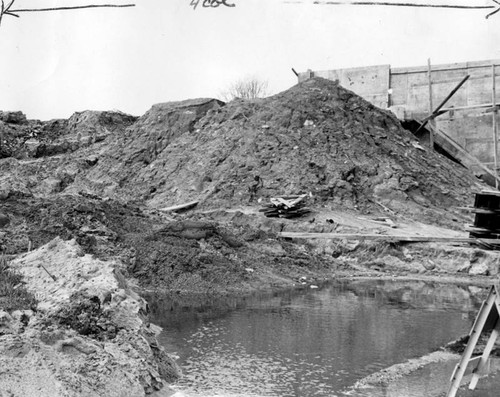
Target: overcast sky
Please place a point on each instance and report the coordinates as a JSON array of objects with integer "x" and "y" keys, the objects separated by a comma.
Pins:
[{"x": 55, "y": 63}]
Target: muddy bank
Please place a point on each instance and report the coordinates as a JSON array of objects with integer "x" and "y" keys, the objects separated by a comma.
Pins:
[
  {"x": 90, "y": 317},
  {"x": 88, "y": 335},
  {"x": 426, "y": 376}
]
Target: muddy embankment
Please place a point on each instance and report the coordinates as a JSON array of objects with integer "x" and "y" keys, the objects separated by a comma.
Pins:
[
  {"x": 81, "y": 220},
  {"x": 88, "y": 335}
]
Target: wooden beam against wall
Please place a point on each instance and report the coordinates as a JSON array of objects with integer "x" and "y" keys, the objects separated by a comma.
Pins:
[
  {"x": 489, "y": 107},
  {"x": 495, "y": 135},
  {"x": 429, "y": 77},
  {"x": 436, "y": 112},
  {"x": 462, "y": 155}
]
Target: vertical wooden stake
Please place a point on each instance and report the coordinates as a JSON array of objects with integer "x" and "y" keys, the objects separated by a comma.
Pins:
[
  {"x": 484, "y": 357},
  {"x": 474, "y": 336},
  {"x": 494, "y": 113},
  {"x": 431, "y": 130}
]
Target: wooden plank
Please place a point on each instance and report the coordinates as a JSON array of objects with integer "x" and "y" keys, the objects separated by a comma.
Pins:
[
  {"x": 298, "y": 199},
  {"x": 489, "y": 193},
  {"x": 481, "y": 365},
  {"x": 382, "y": 237},
  {"x": 278, "y": 201},
  {"x": 436, "y": 111},
  {"x": 446, "y": 67},
  {"x": 288, "y": 201},
  {"x": 180, "y": 207},
  {"x": 461, "y": 154},
  {"x": 485, "y": 211},
  {"x": 474, "y": 335},
  {"x": 488, "y": 106},
  {"x": 494, "y": 125},
  {"x": 429, "y": 77},
  {"x": 381, "y": 221},
  {"x": 476, "y": 229},
  {"x": 487, "y": 141},
  {"x": 492, "y": 109}
]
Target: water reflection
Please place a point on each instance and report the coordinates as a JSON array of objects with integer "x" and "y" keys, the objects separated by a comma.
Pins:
[{"x": 311, "y": 342}]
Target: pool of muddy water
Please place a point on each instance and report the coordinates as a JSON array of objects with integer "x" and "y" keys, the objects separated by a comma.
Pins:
[{"x": 309, "y": 342}]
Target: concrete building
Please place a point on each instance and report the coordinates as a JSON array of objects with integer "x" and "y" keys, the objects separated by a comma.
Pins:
[{"x": 465, "y": 125}]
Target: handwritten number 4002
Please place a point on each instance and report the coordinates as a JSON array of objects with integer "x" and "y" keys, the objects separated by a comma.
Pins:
[{"x": 210, "y": 3}]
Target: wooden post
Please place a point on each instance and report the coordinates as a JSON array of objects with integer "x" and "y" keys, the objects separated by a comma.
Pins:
[
  {"x": 495, "y": 135},
  {"x": 474, "y": 336},
  {"x": 484, "y": 357},
  {"x": 431, "y": 130}
]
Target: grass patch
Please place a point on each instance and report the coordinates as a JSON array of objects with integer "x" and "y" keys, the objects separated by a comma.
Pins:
[{"x": 13, "y": 294}]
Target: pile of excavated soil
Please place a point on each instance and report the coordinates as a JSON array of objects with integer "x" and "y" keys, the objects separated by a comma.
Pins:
[
  {"x": 22, "y": 138},
  {"x": 177, "y": 255},
  {"x": 316, "y": 137}
]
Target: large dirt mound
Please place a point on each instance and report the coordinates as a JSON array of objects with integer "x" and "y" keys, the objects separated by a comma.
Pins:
[{"x": 315, "y": 137}]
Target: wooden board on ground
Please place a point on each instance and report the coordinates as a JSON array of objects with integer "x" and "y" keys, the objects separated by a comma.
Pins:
[
  {"x": 381, "y": 237},
  {"x": 180, "y": 207}
]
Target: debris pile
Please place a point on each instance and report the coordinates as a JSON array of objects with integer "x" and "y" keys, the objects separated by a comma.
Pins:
[
  {"x": 315, "y": 137},
  {"x": 286, "y": 207}
]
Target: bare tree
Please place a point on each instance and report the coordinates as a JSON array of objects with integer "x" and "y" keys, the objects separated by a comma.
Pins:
[
  {"x": 249, "y": 88},
  {"x": 6, "y": 8}
]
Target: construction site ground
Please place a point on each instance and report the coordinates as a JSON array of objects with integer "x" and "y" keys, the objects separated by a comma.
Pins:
[{"x": 85, "y": 209}]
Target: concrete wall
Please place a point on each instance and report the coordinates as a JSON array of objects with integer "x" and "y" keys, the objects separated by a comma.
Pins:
[
  {"x": 405, "y": 91},
  {"x": 372, "y": 83}
]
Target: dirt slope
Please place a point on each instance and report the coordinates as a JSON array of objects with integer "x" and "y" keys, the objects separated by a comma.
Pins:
[
  {"x": 89, "y": 335},
  {"x": 315, "y": 137},
  {"x": 22, "y": 138}
]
